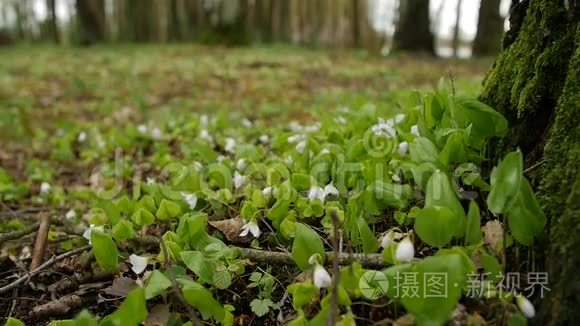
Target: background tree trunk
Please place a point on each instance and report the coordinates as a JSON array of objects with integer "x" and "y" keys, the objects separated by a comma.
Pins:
[
  {"x": 52, "y": 21},
  {"x": 91, "y": 20},
  {"x": 535, "y": 83},
  {"x": 414, "y": 30},
  {"x": 489, "y": 29},
  {"x": 456, "y": 29}
]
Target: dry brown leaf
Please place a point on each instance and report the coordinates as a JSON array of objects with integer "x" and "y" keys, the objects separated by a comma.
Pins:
[
  {"x": 405, "y": 320},
  {"x": 492, "y": 234},
  {"x": 121, "y": 287},
  {"x": 231, "y": 228},
  {"x": 158, "y": 316}
]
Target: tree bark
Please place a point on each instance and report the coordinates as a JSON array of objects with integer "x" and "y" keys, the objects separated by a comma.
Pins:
[
  {"x": 535, "y": 83},
  {"x": 413, "y": 33},
  {"x": 52, "y": 21},
  {"x": 489, "y": 29},
  {"x": 91, "y": 21}
]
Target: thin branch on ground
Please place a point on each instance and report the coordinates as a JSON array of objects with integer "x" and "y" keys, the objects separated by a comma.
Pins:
[
  {"x": 53, "y": 260},
  {"x": 40, "y": 243},
  {"x": 4, "y": 237}
]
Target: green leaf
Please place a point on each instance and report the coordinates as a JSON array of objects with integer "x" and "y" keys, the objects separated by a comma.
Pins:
[
  {"x": 148, "y": 203},
  {"x": 473, "y": 227},
  {"x": 440, "y": 193},
  {"x": 302, "y": 294},
  {"x": 167, "y": 210},
  {"x": 368, "y": 239},
  {"x": 105, "y": 250},
  {"x": 491, "y": 266},
  {"x": 433, "y": 225},
  {"x": 261, "y": 306},
  {"x": 222, "y": 279},
  {"x": 132, "y": 312},
  {"x": 123, "y": 230},
  {"x": 143, "y": 217},
  {"x": 201, "y": 299},
  {"x": 505, "y": 182},
  {"x": 13, "y": 322},
  {"x": 199, "y": 264},
  {"x": 386, "y": 195},
  {"x": 525, "y": 217},
  {"x": 454, "y": 150},
  {"x": 423, "y": 150},
  {"x": 302, "y": 181},
  {"x": 248, "y": 210},
  {"x": 486, "y": 121},
  {"x": 156, "y": 284},
  {"x": 306, "y": 243}
]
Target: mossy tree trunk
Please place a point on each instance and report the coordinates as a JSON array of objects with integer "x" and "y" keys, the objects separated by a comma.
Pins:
[
  {"x": 91, "y": 21},
  {"x": 413, "y": 32},
  {"x": 535, "y": 83},
  {"x": 487, "y": 40}
]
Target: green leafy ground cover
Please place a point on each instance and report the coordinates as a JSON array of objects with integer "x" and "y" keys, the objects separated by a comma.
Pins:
[{"x": 216, "y": 185}]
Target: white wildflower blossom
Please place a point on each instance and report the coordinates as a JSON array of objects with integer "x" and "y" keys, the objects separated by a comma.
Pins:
[
  {"x": 264, "y": 139},
  {"x": 70, "y": 214},
  {"x": 301, "y": 146},
  {"x": 238, "y": 180},
  {"x": 150, "y": 180},
  {"x": 142, "y": 129},
  {"x": 340, "y": 120},
  {"x": 525, "y": 306},
  {"x": 197, "y": 165},
  {"x": 90, "y": 229},
  {"x": 324, "y": 151},
  {"x": 190, "y": 199},
  {"x": 204, "y": 134},
  {"x": 405, "y": 250},
  {"x": 267, "y": 191},
  {"x": 399, "y": 118},
  {"x": 203, "y": 120},
  {"x": 403, "y": 148},
  {"x": 312, "y": 128},
  {"x": 156, "y": 133},
  {"x": 44, "y": 187},
  {"x": 241, "y": 164},
  {"x": 330, "y": 189},
  {"x": 296, "y": 138},
  {"x": 220, "y": 158},
  {"x": 251, "y": 227},
  {"x": 295, "y": 126},
  {"x": 138, "y": 263},
  {"x": 82, "y": 137},
  {"x": 321, "y": 277},
  {"x": 385, "y": 128},
  {"x": 247, "y": 123},
  {"x": 230, "y": 145},
  {"x": 316, "y": 192},
  {"x": 415, "y": 131},
  {"x": 289, "y": 160}
]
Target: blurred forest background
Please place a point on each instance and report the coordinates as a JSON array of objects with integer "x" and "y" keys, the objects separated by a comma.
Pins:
[{"x": 437, "y": 27}]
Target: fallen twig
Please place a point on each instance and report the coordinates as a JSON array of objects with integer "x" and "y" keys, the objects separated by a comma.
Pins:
[
  {"x": 283, "y": 258},
  {"x": 4, "y": 237},
  {"x": 56, "y": 308},
  {"x": 47, "y": 264},
  {"x": 40, "y": 243}
]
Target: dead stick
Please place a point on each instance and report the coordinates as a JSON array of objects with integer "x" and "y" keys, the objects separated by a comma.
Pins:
[
  {"x": 40, "y": 243},
  {"x": 42, "y": 267},
  {"x": 4, "y": 237}
]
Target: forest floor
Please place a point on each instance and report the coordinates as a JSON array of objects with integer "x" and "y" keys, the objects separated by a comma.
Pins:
[{"x": 50, "y": 96}]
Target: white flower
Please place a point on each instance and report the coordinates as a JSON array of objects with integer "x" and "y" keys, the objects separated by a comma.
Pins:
[
  {"x": 198, "y": 166},
  {"x": 312, "y": 128},
  {"x": 267, "y": 191},
  {"x": 405, "y": 251},
  {"x": 316, "y": 192},
  {"x": 204, "y": 134},
  {"x": 301, "y": 146},
  {"x": 100, "y": 142},
  {"x": 295, "y": 126},
  {"x": 150, "y": 181},
  {"x": 264, "y": 139},
  {"x": 526, "y": 307},
  {"x": 238, "y": 180},
  {"x": 288, "y": 160},
  {"x": 385, "y": 128},
  {"x": 241, "y": 164},
  {"x": 330, "y": 189},
  {"x": 399, "y": 118},
  {"x": 321, "y": 277},
  {"x": 138, "y": 263},
  {"x": 324, "y": 151},
  {"x": 251, "y": 227},
  {"x": 295, "y": 138},
  {"x": 142, "y": 129},
  {"x": 190, "y": 199},
  {"x": 44, "y": 187},
  {"x": 389, "y": 238},
  {"x": 156, "y": 133},
  {"x": 340, "y": 120},
  {"x": 230, "y": 145},
  {"x": 403, "y": 148},
  {"x": 220, "y": 158},
  {"x": 89, "y": 230},
  {"x": 203, "y": 120},
  {"x": 82, "y": 137},
  {"x": 70, "y": 214},
  {"x": 246, "y": 123},
  {"x": 415, "y": 131}
]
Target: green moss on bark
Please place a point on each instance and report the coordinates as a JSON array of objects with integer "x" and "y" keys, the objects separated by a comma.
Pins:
[{"x": 535, "y": 83}]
